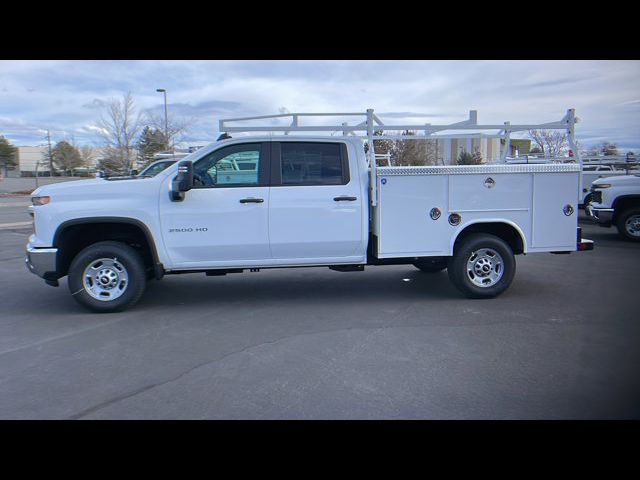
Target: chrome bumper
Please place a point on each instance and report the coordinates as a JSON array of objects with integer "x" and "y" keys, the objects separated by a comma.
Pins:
[
  {"x": 42, "y": 261},
  {"x": 601, "y": 216}
]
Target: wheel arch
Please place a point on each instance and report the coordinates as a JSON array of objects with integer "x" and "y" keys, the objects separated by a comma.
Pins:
[
  {"x": 623, "y": 202},
  {"x": 74, "y": 235},
  {"x": 501, "y": 228}
]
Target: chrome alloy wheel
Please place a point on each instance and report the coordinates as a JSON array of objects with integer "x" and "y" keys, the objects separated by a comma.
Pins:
[
  {"x": 485, "y": 267},
  {"x": 632, "y": 225},
  {"x": 105, "y": 279}
]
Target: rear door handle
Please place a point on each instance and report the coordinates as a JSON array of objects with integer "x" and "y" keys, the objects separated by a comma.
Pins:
[
  {"x": 251, "y": 200},
  {"x": 344, "y": 198}
]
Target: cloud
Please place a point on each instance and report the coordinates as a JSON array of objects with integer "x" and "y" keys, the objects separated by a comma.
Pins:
[
  {"x": 96, "y": 103},
  {"x": 70, "y": 95},
  {"x": 94, "y": 128},
  {"x": 210, "y": 107}
]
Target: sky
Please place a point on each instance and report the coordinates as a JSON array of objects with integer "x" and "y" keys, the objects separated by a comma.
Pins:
[{"x": 68, "y": 97}]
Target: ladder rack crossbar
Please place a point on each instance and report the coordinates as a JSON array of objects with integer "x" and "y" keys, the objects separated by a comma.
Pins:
[
  {"x": 359, "y": 128},
  {"x": 469, "y": 124}
]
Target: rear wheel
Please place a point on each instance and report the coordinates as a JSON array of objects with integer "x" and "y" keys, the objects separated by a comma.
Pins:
[
  {"x": 482, "y": 266},
  {"x": 628, "y": 224},
  {"x": 107, "y": 277},
  {"x": 431, "y": 265}
]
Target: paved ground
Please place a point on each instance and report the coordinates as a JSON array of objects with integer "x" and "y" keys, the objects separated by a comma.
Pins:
[
  {"x": 13, "y": 212},
  {"x": 387, "y": 343}
]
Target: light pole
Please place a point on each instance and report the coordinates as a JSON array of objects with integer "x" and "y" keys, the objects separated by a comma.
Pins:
[{"x": 166, "y": 122}]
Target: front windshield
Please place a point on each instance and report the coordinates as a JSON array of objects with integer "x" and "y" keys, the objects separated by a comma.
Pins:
[{"x": 153, "y": 170}]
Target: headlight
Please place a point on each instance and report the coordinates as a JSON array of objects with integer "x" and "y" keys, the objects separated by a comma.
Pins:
[
  {"x": 40, "y": 200},
  {"x": 601, "y": 185}
]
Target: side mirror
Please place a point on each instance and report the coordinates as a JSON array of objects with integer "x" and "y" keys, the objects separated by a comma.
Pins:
[
  {"x": 134, "y": 172},
  {"x": 182, "y": 182}
]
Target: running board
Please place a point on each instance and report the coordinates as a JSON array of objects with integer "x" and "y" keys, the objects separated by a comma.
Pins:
[{"x": 347, "y": 268}]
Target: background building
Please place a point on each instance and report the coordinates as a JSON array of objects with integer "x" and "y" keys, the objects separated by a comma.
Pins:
[
  {"x": 448, "y": 149},
  {"x": 32, "y": 159}
]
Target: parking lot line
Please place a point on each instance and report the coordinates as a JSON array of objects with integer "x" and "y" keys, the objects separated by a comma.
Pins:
[
  {"x": 14, "y": 204},
  {"x": 9, "y": 226}
]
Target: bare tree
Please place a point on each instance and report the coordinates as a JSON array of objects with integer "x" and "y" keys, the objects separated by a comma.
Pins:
[
  {"x": 175, "y": 127},
  {"x": 431, "y": 152},
  {"x": 552, "y": 143},
  {"x": 88, "y": 154},
  {"x": 66, "y": 157},
  {"x": 405, "y": 152},
  {"x": 477, "y": 157},
  {"x": 120, "y": 126}
]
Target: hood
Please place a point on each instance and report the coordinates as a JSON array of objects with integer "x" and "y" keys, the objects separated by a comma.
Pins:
[
  {"x": 84, "y": 185},
  {"x": 619, "y": 180}
]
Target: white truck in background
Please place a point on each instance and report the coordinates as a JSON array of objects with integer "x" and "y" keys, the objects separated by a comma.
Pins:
[
  {"x": 297, "y": 200},
  {"x": 616, "y": 201},
  {"x": 591, "y": 173}
]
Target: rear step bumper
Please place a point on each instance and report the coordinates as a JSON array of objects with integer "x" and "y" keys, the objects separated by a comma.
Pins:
[{"x": 583, "y": 243}]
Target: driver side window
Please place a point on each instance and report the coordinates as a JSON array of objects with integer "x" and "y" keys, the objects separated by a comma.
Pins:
[{"x": 232, "y": 166}]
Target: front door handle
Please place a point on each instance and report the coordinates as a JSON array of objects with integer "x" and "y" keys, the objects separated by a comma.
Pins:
[
  {"x": 251, "y": 200},
  {"x": 344, "y": 198}
]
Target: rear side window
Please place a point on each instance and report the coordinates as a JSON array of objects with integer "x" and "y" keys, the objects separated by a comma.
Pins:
[{"x": 313, "y": 164}]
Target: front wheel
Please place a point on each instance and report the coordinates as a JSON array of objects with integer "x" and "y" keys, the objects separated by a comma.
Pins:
[
  {"x": 628, "y": 224},
  {"x": 107, "y": 277},
  {"x": 482, "y": 266}
]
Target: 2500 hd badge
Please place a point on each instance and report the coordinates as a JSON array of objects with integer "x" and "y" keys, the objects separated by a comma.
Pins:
[{"x": 187, "y": 230}]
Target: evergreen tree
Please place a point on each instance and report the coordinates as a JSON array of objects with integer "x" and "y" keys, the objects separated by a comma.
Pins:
[
  {"x": 8, "y": 153},
  {"x": 466, "y": 158},
  {"x": 151, "y": 141}
]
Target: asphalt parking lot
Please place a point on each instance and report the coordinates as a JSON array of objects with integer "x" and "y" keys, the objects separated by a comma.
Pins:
[{"x": 387, "y": 343}]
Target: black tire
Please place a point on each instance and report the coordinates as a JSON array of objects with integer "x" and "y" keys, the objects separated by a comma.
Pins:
[
  {"x": 431, "y": 265},
  {"x": 124, "y": 268},
  {"x": 463, "y": 266},
  {"x": 628, "y": 224}
]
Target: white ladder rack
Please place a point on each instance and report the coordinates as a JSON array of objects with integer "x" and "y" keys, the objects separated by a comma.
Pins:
[{"x": 372, "y": 128}]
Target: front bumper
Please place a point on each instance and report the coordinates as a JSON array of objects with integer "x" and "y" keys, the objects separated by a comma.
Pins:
[
  {"x": 601, "y": 216},
  {"x": 42, "y": 262}
]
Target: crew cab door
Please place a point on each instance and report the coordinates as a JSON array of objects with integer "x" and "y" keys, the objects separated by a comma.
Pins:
[
  {"x": 223, "y": 219},
  {"x": 316, "y": 207}
]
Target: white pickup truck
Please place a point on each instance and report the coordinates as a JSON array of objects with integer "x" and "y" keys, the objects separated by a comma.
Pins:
[
  {"x": 590, "y": 173},
  {"x": 299, "y": 201},
  {"x": 616, "y": 201}
]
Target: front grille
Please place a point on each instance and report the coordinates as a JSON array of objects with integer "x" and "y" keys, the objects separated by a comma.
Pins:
[{"x": 596, "y": 195}]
